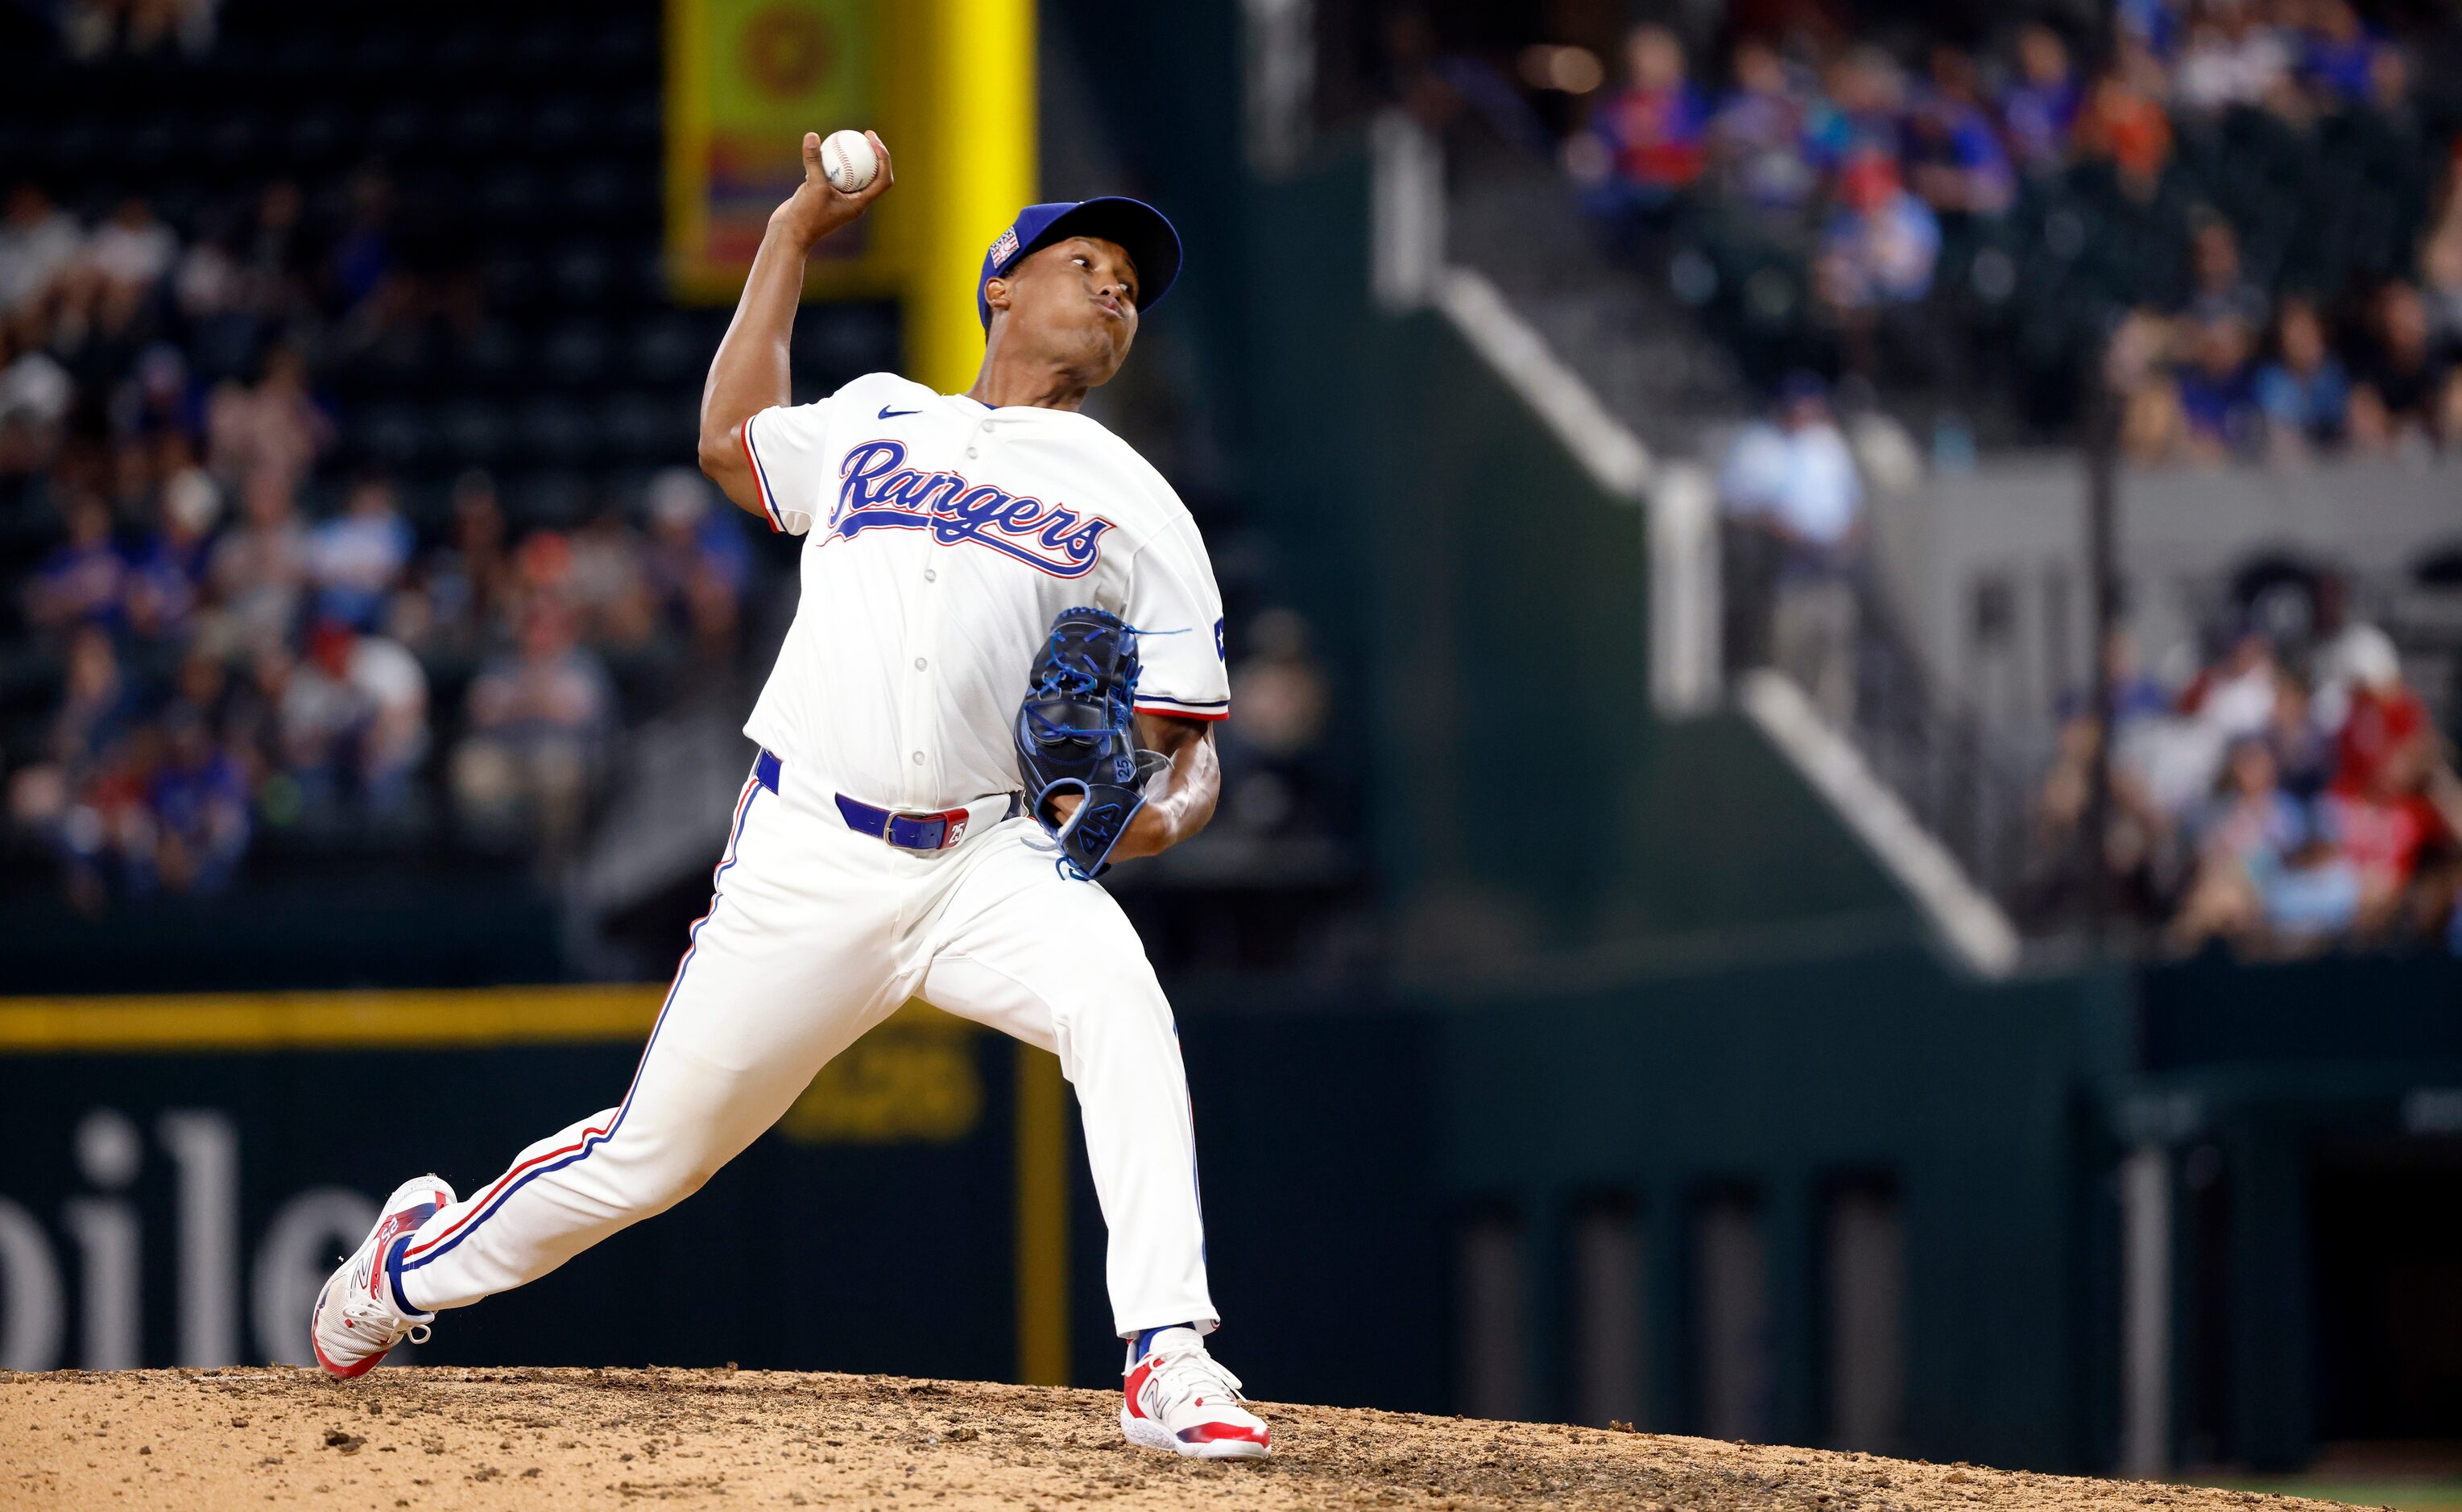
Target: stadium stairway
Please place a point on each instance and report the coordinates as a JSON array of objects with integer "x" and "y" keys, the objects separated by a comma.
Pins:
[
  {"x": 1513, "y": 218},
  {"x": 1635, "y": 386}
]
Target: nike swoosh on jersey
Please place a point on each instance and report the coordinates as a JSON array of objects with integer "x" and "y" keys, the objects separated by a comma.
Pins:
[{"x": 888, "y": 413}]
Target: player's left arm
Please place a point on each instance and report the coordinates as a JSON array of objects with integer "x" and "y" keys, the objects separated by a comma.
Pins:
[
  {"x": 1184, "y": 690},
  {"x": 1178, "y": 802}
]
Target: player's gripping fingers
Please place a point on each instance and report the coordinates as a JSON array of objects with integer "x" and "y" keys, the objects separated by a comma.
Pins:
[
  {"x": 816, "y": 208},
  {"x": 883, "y": 179},
  {"x": 817, "y": 179}
]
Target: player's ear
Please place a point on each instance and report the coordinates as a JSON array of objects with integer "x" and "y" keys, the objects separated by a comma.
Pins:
[{"x": 996, "y": 294}]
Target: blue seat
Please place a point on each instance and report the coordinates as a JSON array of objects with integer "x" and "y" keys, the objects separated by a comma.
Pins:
[
  {"x": 511, "y": 198},
  {"x": 472, "y": 432},
  {"x": 579, "y": 274},
  {"x": 665, "y": 349},
  {"x": 557, "y": 429},
  {"x": 391, "y": 434},
  {"x": 576, "y": 353},
  {"x": 645, "y": 426},
  {"x": 489, "y": 357},
  {"x": 558, "y": 126}
]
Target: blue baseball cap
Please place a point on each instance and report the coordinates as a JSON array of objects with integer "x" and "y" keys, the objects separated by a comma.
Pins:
[{"x": 1138, "y": 228}]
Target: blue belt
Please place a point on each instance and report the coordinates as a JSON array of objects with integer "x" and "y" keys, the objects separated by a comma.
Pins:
[{"x": 905, "y": 831}]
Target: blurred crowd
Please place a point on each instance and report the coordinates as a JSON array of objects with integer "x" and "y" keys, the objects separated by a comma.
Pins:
[
  {"x": 1860, "y": 165},
  {"x": 2235, "y": 373},
  {"x": 93, "y": 29},
  {"x": 2281, "y": 798},
  {"x": 217, "y": 629}
]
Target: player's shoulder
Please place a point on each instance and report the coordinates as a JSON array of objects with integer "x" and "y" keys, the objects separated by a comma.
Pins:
[
  {"x": 807, "y": 417},
  {"x": 1145, "y": 480},
  {"x": 887, "y": 387}
]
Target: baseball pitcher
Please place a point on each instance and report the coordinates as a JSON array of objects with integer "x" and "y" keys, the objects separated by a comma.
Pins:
[{"x": 1001, "y": 680}]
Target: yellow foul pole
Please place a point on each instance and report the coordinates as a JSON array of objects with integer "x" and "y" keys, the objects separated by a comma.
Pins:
[
  {"x": 1042, "y": 1219},
  {"x": 974, "y": 61}
]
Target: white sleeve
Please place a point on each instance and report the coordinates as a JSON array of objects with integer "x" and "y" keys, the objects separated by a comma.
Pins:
[
  {"x": 1177, "y": 610},
  {"x": 788, "y": 447}
]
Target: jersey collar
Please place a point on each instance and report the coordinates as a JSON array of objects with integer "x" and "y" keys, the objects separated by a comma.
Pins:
[{"x": 1032, "y": 414}]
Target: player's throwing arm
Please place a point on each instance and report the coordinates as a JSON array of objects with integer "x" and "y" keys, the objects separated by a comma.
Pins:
[{"x": 750, "y": 371}]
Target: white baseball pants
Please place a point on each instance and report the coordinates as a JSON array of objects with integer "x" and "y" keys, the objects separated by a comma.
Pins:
[{"x": 815, "y": 934}]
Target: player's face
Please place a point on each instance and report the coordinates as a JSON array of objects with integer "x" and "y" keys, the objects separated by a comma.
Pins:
[{"x": 1077, "y": 301}]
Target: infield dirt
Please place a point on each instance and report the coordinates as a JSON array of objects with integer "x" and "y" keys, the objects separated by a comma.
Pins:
[{"x": 461, "y": 1438}]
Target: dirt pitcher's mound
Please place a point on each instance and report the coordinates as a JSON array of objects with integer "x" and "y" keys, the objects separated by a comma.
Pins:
[{"x": 453, "y": 1439}]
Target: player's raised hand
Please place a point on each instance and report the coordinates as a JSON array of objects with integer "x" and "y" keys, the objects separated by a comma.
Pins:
[{"x": 817, "y": 207}]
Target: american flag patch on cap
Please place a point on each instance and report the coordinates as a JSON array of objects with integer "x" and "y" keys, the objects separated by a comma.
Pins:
[{"x": 1003, "y": 247}]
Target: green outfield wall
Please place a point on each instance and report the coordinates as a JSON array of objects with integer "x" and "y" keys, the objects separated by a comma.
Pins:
[{"x": 181, "y": 1172}]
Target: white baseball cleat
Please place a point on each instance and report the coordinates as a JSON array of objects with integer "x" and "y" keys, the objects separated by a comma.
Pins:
[
  {"x": 355, "y": 1321},
  {"x": 1177, "y": 1398}
]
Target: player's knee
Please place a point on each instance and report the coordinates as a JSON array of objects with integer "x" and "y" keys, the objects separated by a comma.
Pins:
[
  {"x": 693, "y": 1178},
  {"x": 1113, "y": 1002},
  {"x": 654, "y": 1176}
]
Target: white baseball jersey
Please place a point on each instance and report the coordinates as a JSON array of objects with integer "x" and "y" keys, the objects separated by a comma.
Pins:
[{"x": 942, "y": 537}]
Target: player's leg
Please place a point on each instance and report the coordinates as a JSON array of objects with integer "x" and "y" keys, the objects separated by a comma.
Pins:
[
  {"x": 1054, "y": 963},
  {"x": 789, "y": 968},
  {"x": 779, "y": 977}
]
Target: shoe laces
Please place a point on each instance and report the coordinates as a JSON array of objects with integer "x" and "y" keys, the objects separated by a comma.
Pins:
[
  {"x": 1189, "y": 1372},
  {"x": 382, "y": 1324}
]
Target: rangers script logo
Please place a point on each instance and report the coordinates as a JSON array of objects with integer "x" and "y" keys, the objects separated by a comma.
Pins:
[{"x": 875, "y": 492}]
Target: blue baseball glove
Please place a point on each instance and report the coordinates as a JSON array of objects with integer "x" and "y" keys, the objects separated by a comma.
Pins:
[{"x": 1076, "y": 733}]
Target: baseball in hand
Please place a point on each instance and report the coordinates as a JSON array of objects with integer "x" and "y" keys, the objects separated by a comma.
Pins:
[{"x": 848, "y": 161}]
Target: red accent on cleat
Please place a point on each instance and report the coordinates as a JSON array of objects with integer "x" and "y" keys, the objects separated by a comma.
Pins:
[
  {"x": 345, "y": 1372},
  {"x": 1136, "y": 1383},
  {"x": 1219, "y": 1433}
]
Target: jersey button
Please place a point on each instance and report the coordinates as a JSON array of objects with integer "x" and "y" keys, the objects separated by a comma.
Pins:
[
  {"x": 918, "y": 759},
  {"x": 970, "y": 451},
  {"x": 930, "y": 575},
  {"x": 918, "y": 664}
]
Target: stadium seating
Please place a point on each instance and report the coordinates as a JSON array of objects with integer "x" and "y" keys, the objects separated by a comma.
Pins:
[{"x": 518, "y": 149}]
